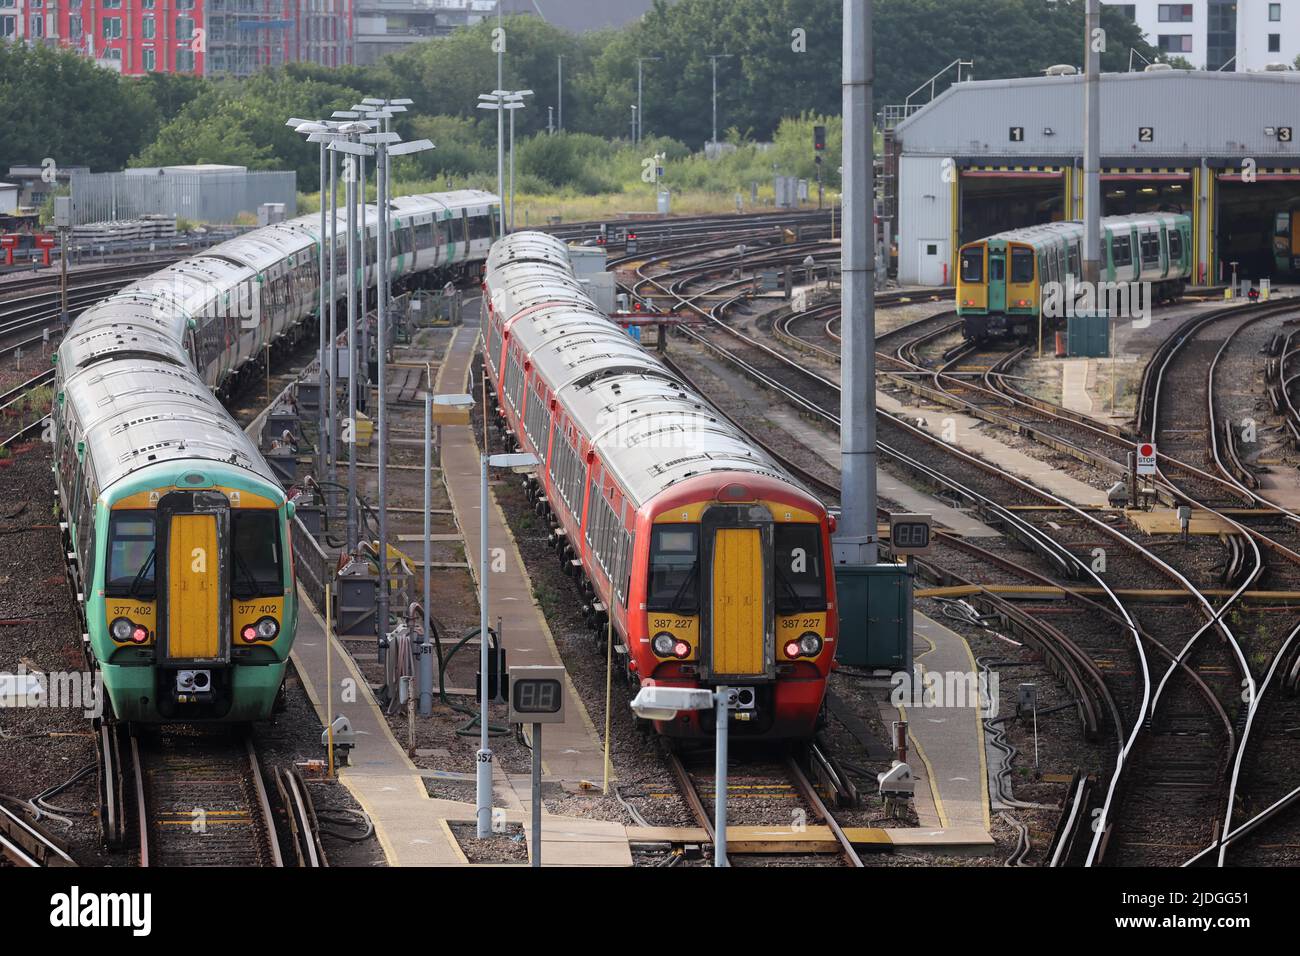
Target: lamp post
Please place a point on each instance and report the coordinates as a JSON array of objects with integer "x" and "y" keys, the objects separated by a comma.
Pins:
[
  {"x": 502, "y": 101},
  {"x": 640, "y": 111},
  {"x": 483, "y": 762},
  {"x": 386, "y": 145},
  {"x": 320, "y": 133},
  {"x": 494, "y": 101},
  {"x": 559, "y": 95},
  {"x": 714, "y": 58},
  {"x": 633, "y": 124},
  {"x": 663, "y": 703},
  {"x": 349, "y": 146}
]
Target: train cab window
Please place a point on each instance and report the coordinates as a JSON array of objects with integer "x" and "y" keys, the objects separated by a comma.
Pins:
[
  {"x": 1284, "y": 224},
  {"x": 130, "y": 551},
  {"x": 674, "y": 569},
  {"x": 256, "y": 569},
  {"x": 800, "y": 581},
  {"x": 1022, "y": 265},
  {"x": 972, "y": 265}
]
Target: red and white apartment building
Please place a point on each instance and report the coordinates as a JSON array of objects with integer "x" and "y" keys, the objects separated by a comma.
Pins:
[{"x": 207, "y": 37}]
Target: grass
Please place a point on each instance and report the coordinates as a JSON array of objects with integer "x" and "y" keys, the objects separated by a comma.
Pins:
[{"x": 539, "y": 210}]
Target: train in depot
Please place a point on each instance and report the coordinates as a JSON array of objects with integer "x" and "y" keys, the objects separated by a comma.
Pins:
[
  {"x": 176, "y": 530},
  {"x": 1286, "y": 240},
  {"x": 712, "y": 562},
  {"x": 1001, "y": 280}
]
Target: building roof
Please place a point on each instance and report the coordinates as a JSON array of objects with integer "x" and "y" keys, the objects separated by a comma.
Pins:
[
  {"x": 1188, "y": 113},
  {"x": 581, "y": 16}
]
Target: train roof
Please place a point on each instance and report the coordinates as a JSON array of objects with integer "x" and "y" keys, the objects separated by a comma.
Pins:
[
  {"x": 128, "y": 323},
  {"x": 1073, "y": 228},
  {"x": 649, "y": 427},
  {"x": 141, "y": 412}
]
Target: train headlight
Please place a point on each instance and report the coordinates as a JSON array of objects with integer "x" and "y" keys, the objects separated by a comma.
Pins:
[
  {"x": 811, "y": 644},
  {"x": 267, "y": 628},
  {"x": 663, "y": 644},
  {"x": 121, "y": 629}
]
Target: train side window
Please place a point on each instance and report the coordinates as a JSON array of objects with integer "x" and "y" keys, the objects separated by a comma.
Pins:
[
  {"x": 1121, "y": 251},
  {"x": 972, "y": 265},
  {"x": 256, "y": 568},
  {"x": 1022, "y": 265},
  {"x": 1175, "y": 247},
  {"x": 800, "y": 584},
  {"x": 1150, "y": 248},
  {"x": 130, "y": 555},
  {"x": 674, "y": 569}
]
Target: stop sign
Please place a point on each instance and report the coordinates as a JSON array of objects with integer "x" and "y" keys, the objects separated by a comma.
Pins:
[{"x": 1146, "y": 458}]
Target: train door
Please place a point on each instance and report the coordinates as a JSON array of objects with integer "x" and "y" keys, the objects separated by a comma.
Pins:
[
  {"x": 932, "y": 262},
  {"x": 738, "y": 617},
  {"x": 193, "y": 587},
  {"x": 997, "y": 278}
]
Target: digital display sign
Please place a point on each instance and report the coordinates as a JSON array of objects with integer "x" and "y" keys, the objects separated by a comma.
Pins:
[
  {"x": 909, "y": 533},
  {"x": 537, "y": 694}
]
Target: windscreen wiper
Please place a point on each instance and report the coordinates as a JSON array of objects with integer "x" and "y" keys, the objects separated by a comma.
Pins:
[{"x": 139, "y": 575}]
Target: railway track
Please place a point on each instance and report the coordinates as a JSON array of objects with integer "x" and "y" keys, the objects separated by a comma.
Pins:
[
  {"x": 1200, "y": 465},
  {"x": 25, "y": 844},
  {"x": 1204, "y": 700},
  {"x": 766, "y": 790},
  {"x": 186, "y": 796}
]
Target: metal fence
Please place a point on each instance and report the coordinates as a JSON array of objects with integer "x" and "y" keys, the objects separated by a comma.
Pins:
[
  {"x": 313, "y": 567},
  {"x": 215, "y": 197}
]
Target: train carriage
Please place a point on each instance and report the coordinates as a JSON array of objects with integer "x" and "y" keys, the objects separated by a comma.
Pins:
[
  {"x": 1003, "y": 280},
  {"x": 177, "y": 531},
  {"x": 713, "y": 563}
]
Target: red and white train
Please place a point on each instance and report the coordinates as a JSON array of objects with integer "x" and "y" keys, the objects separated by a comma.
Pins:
[{"x": 714, "y": 563}]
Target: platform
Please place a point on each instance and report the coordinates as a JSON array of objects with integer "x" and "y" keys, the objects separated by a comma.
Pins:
[
  {"x": 946, "y": 739},
  {"x": 574, "y": 752}
]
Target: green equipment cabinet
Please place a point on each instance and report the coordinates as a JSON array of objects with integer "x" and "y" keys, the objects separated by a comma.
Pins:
[
  {"x": 1088, "y": 336},
  {"x": 875, "y": 605}
]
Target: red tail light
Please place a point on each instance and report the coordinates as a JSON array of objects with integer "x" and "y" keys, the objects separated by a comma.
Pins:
[
  {"x": 139, "y": 634},
  {"x": 249, "y": 633}
]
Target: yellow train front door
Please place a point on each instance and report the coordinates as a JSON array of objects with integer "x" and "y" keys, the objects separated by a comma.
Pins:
[
  {"x": 738, "y": 602},
  {"x": 193, "y": 587}
]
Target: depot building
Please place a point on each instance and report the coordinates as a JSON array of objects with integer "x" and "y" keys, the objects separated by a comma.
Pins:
[{"x": 987, "y": 156}]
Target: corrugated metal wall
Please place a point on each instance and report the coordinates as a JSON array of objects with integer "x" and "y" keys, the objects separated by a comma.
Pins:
[
  {"x": 216, "y": 197},
  {"x": 1191, "y": 114},
  {"x": 924, "y": 212}
]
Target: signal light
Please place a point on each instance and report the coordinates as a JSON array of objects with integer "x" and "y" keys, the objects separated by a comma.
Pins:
[
  {"x": 819, "y": 138},
  {"x": 792, "y": 650},
  {"x": 681, "y": 650},
  {"x": 249, "y": 633}
]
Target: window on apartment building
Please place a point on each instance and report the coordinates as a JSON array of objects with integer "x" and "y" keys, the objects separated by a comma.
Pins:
[
  {"x": 74, "y": 27},
  {"x": 112, "y": 4},
  {"x": 185, "y": 61},
  {"x": 112, "y": 28},
  {"x": 184, "y": 4},
  {"x": 36, "y": 4},
  {"x": 8, "y": 26},
  {"x": 1174, "y": 43},
  {"x": 1275, "y": 12},
  {"x": 184, "y": 28},
  {"x": 1275, "y": 43},
  {"x": 150, "y": 60},
  {"x": 1175, "y": 13},
  {"x": 148, "y": 27},
  {"x": 36, "y": 23}
]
